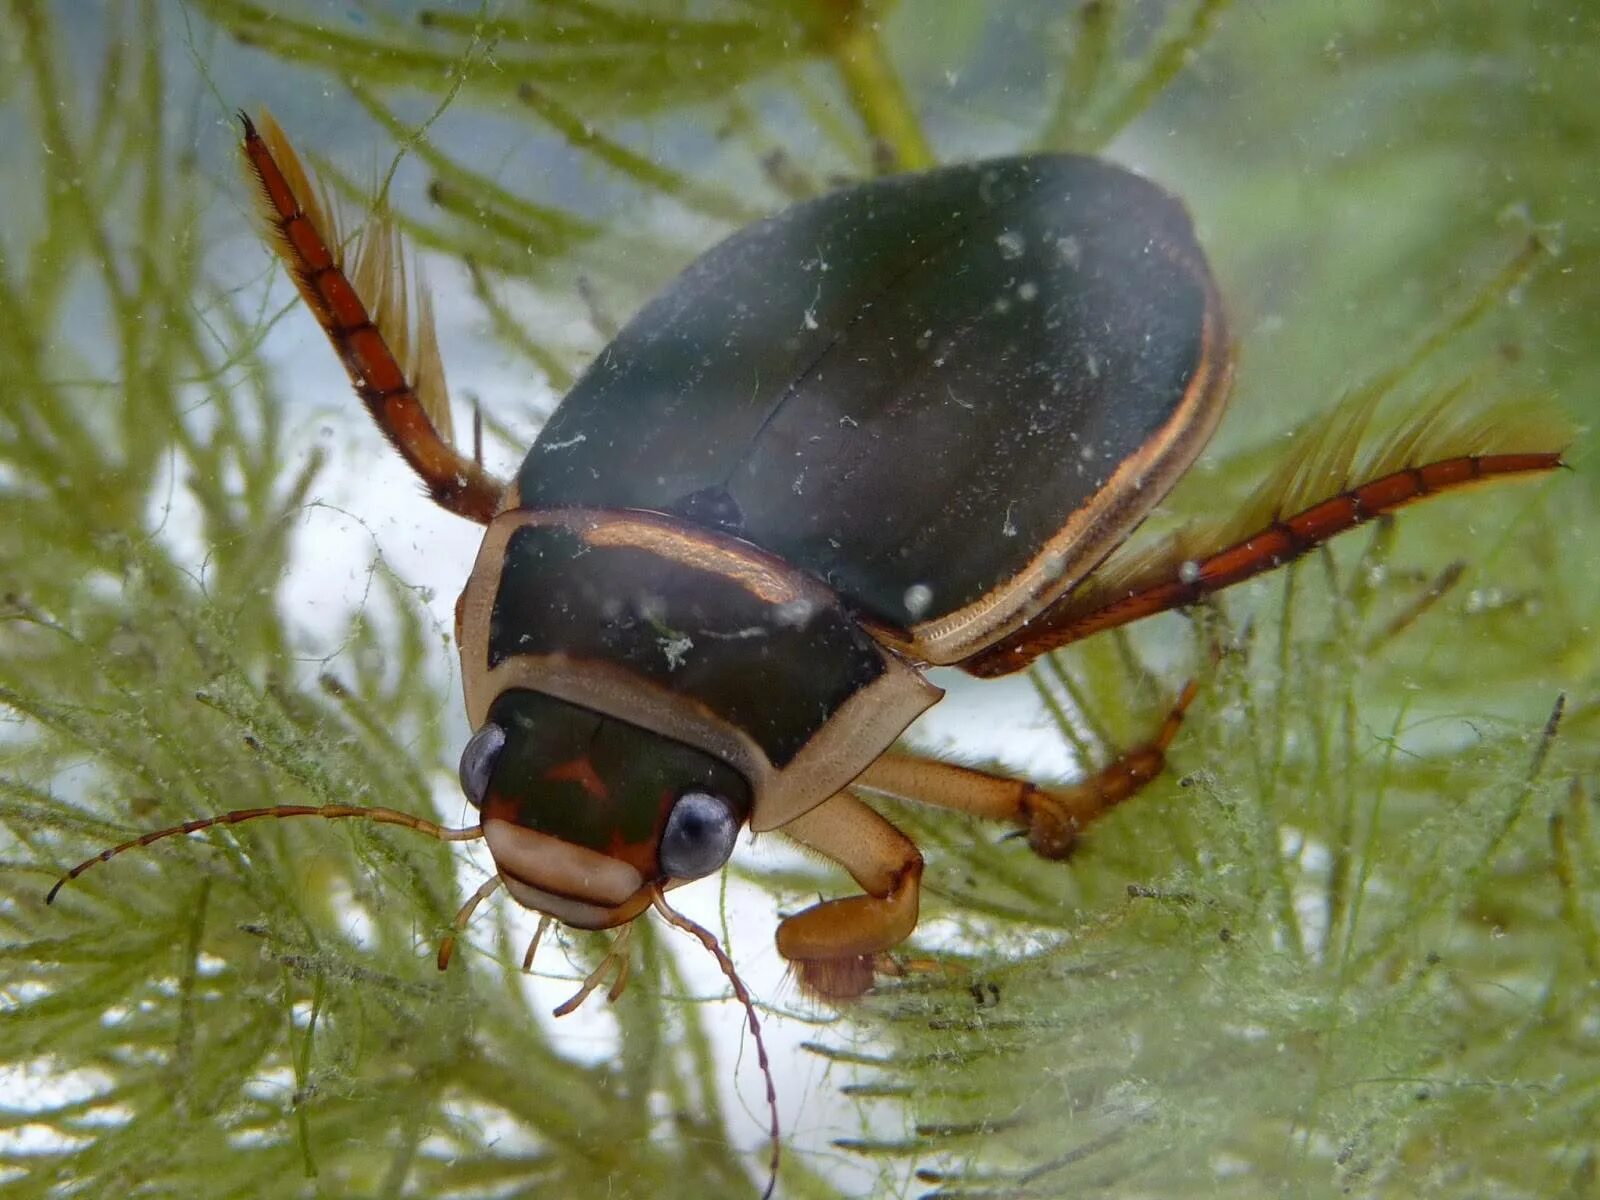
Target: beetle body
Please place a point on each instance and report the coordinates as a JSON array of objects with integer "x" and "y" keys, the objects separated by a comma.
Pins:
[
  {"x": 881, "y": 429},
  {"x": 904, "y": 424},
  {"x": 944, "y": 395},
  {"x": 910, "y": 423}
]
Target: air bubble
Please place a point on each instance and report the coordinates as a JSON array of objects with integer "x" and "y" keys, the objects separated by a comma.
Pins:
[
  {"x": 917, "y": 599},
  {"x": 794, "y": 614}
]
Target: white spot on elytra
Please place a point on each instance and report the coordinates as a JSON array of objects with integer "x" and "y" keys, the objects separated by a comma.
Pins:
[
  {"x": 1011, "y": 244},
  {"x": 917, "y": 598},
  {"x": 809, "y": 320},
  {"x": 794, "y": 614},
  {"x": 676, "y": 650}
]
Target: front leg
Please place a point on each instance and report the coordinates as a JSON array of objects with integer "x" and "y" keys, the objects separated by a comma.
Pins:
[{"x": 835, "y": 947}]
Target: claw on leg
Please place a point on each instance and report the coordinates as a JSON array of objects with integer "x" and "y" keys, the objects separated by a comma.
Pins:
[
  {"x": 1056, "y": 816},
  {"x": 837, "y": 948}
]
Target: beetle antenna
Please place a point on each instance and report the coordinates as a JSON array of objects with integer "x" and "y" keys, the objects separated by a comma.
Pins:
[
  {"x": 706, "y": 939},
  {"x": 329, "y": 812},
  {"x": 448, "y": 946}
]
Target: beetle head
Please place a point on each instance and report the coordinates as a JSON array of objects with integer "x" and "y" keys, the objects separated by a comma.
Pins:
[{"x": 585, "y": 814}]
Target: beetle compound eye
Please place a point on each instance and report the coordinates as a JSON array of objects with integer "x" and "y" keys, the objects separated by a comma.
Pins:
[
  {"x": 699, "y": 836},
  {"x": 477, "y": 762}
]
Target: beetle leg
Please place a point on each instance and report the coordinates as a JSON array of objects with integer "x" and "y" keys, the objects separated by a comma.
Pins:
[
  {"x": 1053, "y": 817},
  {"x": 533, "y": 943},
  {"x": 616, "y": 962},
  {"x": 447, "y": 947},
  {"x": 835, "y": 946},
  {"x": 1183, "y": 581},
  {"x": 390, "y": 352}
]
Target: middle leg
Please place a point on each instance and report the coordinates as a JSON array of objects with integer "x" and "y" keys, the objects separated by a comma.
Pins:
[{"x": 1052, "y": 817}]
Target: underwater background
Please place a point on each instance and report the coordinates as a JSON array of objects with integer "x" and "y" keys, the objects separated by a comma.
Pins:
[{"x": 1349, "y": 945}]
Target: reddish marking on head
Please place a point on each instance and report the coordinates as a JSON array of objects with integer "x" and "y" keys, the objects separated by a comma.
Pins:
[
  {"x": 581, "y": 772},
  {"x": 644, "y": 856}
]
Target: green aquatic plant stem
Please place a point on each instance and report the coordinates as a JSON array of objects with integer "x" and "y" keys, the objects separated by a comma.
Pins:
[
  {"x": 1170, "y": 58},
  {"x": 640, "y": 169},
  {"x": 1571, "y": 844},
  {"x": 851, "y": 34},
  {"x": 1084, "y": 75}
]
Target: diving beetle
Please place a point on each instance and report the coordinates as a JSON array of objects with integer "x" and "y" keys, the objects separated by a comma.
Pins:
[{"x": 897, "y": 426}]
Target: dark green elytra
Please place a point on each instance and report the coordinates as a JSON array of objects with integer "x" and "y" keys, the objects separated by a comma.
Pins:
[
  {"x": 775, "y": 671},
  {"x": 903, "y": 388}
]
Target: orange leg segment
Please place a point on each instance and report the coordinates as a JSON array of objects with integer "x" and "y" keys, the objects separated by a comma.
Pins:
[
  {"x": 835, "y": 946},
  {"x": 1053, "y": 817},
  {"x": 1281, "y": 542},
  {"x": 367, "y": 339}
]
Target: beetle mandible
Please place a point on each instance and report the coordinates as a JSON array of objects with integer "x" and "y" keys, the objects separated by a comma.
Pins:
[{"x": 897, "y": 426}]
